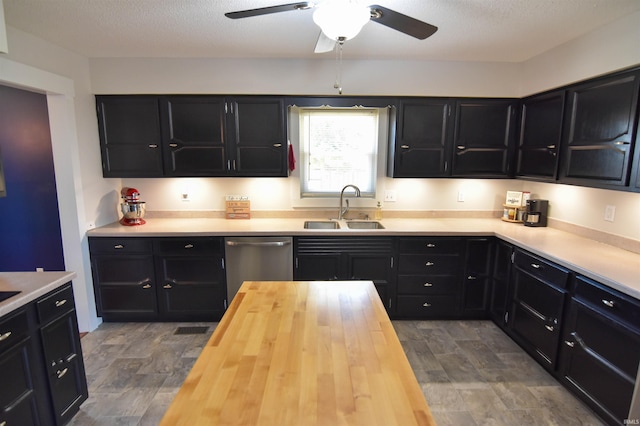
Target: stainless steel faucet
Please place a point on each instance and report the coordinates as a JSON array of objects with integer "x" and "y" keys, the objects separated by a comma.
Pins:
[{"x": 344, "y": 210}]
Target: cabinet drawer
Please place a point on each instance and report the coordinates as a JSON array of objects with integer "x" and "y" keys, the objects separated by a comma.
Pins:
[
  {"x": 608, "y": 301},
  {"x": 12, "y": 329},
  {"x": 188, "y": 246},
  {"x": 427, "y": 284},
  {"x": 428, "y": 264},
  {"x": 427, "y": 306},
  {"x": 542, "y": 269},
  {"x": 544, "y": 335},
  {"x": 431, "y": 245},
  {"x": 547, "y": 301},
  {"x": 55, "y": 304},
  {"x": 119, "y": 245}
]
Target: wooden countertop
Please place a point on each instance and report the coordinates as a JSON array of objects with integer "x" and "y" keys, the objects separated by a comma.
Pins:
[{"x": 302, "y": 353}]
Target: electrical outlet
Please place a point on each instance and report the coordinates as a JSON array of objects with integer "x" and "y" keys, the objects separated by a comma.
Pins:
[
  {"x": 460, "y": 196},
  {"x": 390, "y": 195},
  {"x": 39, "y": 269},
  {"x": 609, "y": 213}
]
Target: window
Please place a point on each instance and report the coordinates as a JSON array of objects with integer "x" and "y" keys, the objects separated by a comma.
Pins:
[{"x": 338, "y": 146}]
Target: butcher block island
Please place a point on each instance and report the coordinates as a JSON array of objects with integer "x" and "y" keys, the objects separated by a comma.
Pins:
[{"x": 302, "y": 353}]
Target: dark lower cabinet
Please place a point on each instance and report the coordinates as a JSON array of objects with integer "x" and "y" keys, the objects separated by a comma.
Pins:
[
  {"x": 601, "y": 349},
  {"x": 151, "y": 279},
  {"x": 537, "y": 306},
  {"x": 498, "y": 299},
  {"x": 355, "y": 258},
  {"x": 43, "y": 376},
  {"x": 476, "y": 282}
]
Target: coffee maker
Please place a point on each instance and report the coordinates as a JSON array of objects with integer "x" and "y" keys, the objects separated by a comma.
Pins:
[{"x": 536, "y": 212}]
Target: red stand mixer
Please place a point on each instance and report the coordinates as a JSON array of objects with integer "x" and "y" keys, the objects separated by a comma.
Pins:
[{"x": 132, "y": 208}]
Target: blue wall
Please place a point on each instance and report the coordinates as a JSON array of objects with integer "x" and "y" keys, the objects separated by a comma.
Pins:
[{"x": 30, "y": 234}]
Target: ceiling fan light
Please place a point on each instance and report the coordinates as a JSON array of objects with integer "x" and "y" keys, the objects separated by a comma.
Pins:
[{"x": 341, "y": 19}]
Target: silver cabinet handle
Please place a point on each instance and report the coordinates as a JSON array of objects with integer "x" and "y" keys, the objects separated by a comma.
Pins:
[
  {"x": 461, "y": 147},
  {"x": 426, "y": 304},
  {"x": 428, "y": 285},
  {"x": 429, "y": 264},
  {"x": 234, "y": 243},
  {"x": 118, "y": 247},
  {"x": 569, "y": 343},
  {"x": 146, "y": 286},
  {"x": 404, "y": 146},
  {"x": 471, "y": 277},
  {"x": 608, "y": 303},
  {"x": 277, "y": 145},
  {"x": 621, "y": 143},
  {"x": 60, "y": 302},
  {"x": 431, "y": 245},
  {"x": 549, "y": 327},
  {"x": 551, "y": 147},
  {"x": 3, "y": 424},
  {"x": 5, "y": 336},
  {"x": 153, "y": 145},
  {"x": 189, "y": 246},
  {"x": 167, "y": 286},
  {"x": 535, "y": 266},
  {"x": 173, "y": 145},
  {"x": 62, "y": 373},
  {"x": 145, "y": 281}
]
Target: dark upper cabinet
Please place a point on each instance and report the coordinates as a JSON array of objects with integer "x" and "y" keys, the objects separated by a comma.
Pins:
[
  {"x": 600, "y": 126},
  {"x": 540, "y": 136},
  {"x": 193, "y": 135},
  {"x": 154, "y": 136},
  {"x": 483, "y": 137},
  {"x": 130, "y": 139},
  {"x": 257, "y": 136},
  {"x": 420, "y": 147}
]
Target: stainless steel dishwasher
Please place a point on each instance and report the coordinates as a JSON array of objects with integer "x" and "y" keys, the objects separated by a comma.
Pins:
[{"x": 257, "y": 259}]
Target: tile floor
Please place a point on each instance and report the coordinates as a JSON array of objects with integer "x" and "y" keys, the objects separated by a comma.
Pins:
[{"x": 471, "y": 373}]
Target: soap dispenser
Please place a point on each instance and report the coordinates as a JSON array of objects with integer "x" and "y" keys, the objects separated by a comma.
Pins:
[{"x": 378, "y": 213}]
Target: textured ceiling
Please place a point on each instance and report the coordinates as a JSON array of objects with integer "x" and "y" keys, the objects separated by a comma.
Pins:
[{"x": 469, "y": 30}]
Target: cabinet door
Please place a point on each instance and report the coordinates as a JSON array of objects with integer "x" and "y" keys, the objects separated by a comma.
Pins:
[
  {"x": 540, "y": 136},
  {"x": 421, "y": 147},
  {"x": 125, "y": 287},
  {"x": 257, "y": 136},
  {"x": 601, "y": 121},
  {"x": 477, "y": 277},
  {"x": 600, "y": 361},
  {"x": 63, "y": 357},
  {"x": 193, "y": 135},
  {"x": 377, "y": 267},
  {"x": 318, "y": 266},
  {"x": 18, "y": 404},
  {"x": 498, "y": 306},
  {"x": 192, "y": 287},
  {"x": 483, "y": 137},
  {"x": 130, "y": 139}
]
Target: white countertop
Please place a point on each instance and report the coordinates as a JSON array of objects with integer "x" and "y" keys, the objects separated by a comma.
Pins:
[
  {"x": 31, "y": 286},
  {"x": 612, "y": 266}
]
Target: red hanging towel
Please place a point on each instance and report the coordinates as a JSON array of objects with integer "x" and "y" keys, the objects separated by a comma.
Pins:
[{"x": 292, "y": 159}]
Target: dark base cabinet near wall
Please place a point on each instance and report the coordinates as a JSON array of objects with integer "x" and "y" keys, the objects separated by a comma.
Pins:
[
  {"x": 159, "y": 279},
  {"x": 41, "y": 359}
]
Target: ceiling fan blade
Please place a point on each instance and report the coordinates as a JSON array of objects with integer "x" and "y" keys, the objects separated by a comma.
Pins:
[
  {"x": 324, "y": 44},
  {"x": 271, "y": 9},
  {"x": 402, "y": 23}
]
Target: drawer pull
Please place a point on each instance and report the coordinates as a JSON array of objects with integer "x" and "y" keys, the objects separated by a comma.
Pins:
[
  {"x": 60, "y": 302},
  {"x": 404, "y": 146},
  {"x": 3, "y": 424},
  {"x": 426, "y": 304},
  {"x": 549, "y": 327},
  {"x": 146, "y": 286},
  {"x": 569, "y": 343},
  {"x": 153, "y": 145},
  {"x": 167, "y": 286},
  {"x": 5, "y": 336},
  {"x": 428, "y": 285},
  {"x": 608, "y": 303},
  {"x": 62, "y": 373},
  {"x": 277, "y": 145},
  {"x": 118, "y": 246},
  {"x": 551, "y": 147},
  {"x": 536, "y": 266},
  {"x": 173, "y": 145},
  {"x": 431, "y": 245},
  {"x": 472, "y": 277},
  {"x": 188, "y": 246},
  {"x": 429, "y": 264}
]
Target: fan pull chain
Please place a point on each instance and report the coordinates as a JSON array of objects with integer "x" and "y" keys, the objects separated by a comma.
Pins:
[{"x": 338, "y": 82}]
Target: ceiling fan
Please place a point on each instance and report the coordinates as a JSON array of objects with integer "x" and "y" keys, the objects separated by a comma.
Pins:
[{"x": 341, "y": 20}]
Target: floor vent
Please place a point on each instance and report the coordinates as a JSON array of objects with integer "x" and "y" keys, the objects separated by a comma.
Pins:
[{"x": 191, "y": 330}]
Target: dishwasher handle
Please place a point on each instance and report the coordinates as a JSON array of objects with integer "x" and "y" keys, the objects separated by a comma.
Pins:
[{"x": 235, "y": 243}]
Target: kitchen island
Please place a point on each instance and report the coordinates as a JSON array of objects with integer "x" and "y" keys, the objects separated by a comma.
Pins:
[{"x": 302, "y": 353}]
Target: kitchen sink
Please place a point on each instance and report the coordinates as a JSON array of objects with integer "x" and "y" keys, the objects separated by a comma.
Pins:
[
  {"x": 4, "y": 295},
  {"x": 321, "y": 224},
  {"x": 367, "y": 224}
]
